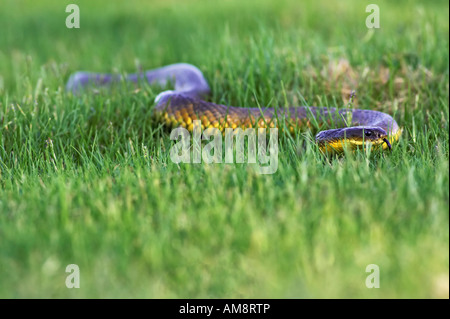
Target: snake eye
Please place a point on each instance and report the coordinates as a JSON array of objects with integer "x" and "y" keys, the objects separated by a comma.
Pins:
[{"x": 368, "y": 133}]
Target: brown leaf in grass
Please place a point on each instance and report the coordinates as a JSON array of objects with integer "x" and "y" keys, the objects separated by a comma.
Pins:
[
  {"x": 399, "y": 83},
  {"x": 340, "y": 76},
  {"x": 383, "y": 75}
]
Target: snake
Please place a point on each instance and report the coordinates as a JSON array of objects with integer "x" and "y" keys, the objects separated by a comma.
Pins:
[{"x": 346, "y": 128}]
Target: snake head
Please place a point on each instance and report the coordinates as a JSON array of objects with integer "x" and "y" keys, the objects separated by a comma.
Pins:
[{"x": 336, "y": 140}]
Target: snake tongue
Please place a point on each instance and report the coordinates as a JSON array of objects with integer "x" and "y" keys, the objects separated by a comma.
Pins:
[{"x": 387, "y": 142}]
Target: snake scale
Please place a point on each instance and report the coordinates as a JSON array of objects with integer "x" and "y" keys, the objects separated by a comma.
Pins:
[{"x": 353, "y": 128}]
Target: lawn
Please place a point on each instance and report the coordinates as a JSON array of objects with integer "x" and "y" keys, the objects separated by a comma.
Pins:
[{"x": 88, "y": 179}]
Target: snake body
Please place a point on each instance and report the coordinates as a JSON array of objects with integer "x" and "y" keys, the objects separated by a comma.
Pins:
[{"x": 181, "y": 106}]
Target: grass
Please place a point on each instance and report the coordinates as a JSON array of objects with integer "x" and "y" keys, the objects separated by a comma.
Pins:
[{"x": 88, "y": 180}]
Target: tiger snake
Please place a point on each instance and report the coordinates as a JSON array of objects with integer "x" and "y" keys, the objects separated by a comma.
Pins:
[{"x": 354, "y": 128}]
